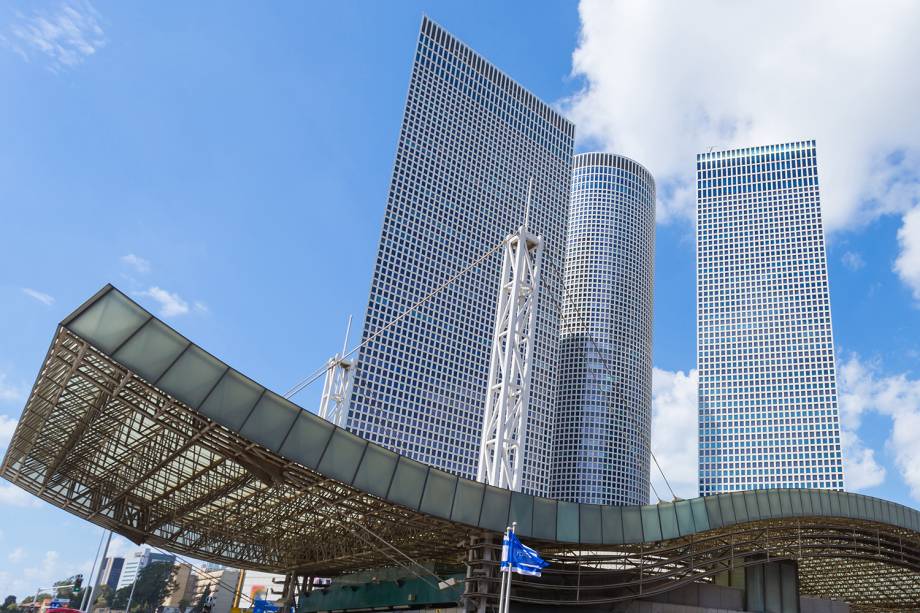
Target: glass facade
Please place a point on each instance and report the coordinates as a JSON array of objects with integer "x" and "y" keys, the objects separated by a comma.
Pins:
[
  {"x": 768, "y": 414},
  {"x": 603, "y": 411},
  {"x": 471, "y": 139}
]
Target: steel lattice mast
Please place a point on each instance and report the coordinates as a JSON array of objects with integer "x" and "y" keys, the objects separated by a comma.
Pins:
[
  {"x": 504, "y": 426},
  {"x": 333, "y": 404}
]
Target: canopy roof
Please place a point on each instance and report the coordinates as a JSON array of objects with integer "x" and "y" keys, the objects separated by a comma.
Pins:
[{"x": 135, "y": 428}]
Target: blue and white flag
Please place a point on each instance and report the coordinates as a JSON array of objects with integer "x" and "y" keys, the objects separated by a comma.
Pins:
[{"x": 520, "y": 558}]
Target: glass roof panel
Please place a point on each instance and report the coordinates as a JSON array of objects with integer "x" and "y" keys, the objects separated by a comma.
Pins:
[
  {"x": 151, "y": 350},
  {"x": 439, "y": 493},
  {"x": 192, "y": 376},
  {"x": 270, "y": 421},
  {"x": 343, "y": 454},
  {"x": 376, "y": 470},
  {"x": 495, "y": 506},
  {"x": 232, "y": 400},
  {"x": 109, "y": 321},
  {"x": 468, "y": 502}
]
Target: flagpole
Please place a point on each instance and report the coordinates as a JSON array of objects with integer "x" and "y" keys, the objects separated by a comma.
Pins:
[
  {"x": 508, "y": 582},
  {"x": 501, "y": 571}
]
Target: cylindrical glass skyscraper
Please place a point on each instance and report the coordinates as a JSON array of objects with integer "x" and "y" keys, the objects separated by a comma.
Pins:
[{"x": 604, "y": 405}]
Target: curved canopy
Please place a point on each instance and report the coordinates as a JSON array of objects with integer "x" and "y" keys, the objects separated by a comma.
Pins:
[{"x": 135, "y": 428}]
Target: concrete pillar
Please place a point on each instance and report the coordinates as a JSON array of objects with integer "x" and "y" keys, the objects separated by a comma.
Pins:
[{"x": 772, "y": 587}]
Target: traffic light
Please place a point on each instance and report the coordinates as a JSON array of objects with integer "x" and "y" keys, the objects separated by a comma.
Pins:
[{"x": 77, "y": 584}]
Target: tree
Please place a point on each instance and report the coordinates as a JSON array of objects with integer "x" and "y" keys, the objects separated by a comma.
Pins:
[
  {"x": 9, "y": 603},
  {"x": 203, "y": 601},
  {"x": 154, "y": 583},
  {"x": 120, "y": 598},
  {"x": 29, "y": 599},
  {"x": 104, "y": 596},
  {"x": 73, "y": 591}
]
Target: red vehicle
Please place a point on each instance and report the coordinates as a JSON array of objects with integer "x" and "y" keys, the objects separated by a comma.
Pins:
[{"x": 62, "y": 610}]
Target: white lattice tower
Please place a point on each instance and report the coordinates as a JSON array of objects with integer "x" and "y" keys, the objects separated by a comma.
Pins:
[
  {"x": 501, "y": 453},
  {"x": 333, "y": 404}
]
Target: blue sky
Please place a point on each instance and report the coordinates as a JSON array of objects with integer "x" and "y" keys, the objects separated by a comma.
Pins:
[{"x": 227, "y": 165}]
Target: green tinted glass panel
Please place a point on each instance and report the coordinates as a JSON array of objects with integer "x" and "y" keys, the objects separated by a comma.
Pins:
[
  {"x": 775, "y": 508},
  {"x": 725, "y": 507},
  {"x": 307, "y": 440},
  {"x": 877, "y": 510},
  {"x": 612, "y": 522},
  {"x": 376, "y": 470},
  {"x": 848, "y": 505},
  {"x": 495, "y": 506},
  {"x": 589, "y": 528},
  {"x": 232, "y": 400},
  {"x": 668, "y": 516},
  {"x": 151, "y": 350},
  {"x": 544, "y": 518},
  {"x": 750, "y": 503},
  {"x": 408, "y": 482},
  {"x": 343, "y": 454},
  {"x": 651, "y": 523},
  {"x": 713, "y": 511},
  {"x": 468, "y": 502},
  {"x": 796, "y": 497},
  {"x": 632, "y": 525},
  {"x": 806, "y": 503},
  {"x": 700, "y": 515},
  {"x": 816, "y": 509},
  {"x": 439, "y": 493},
  {"x": 861, "y": 509},
  {"x": 738, "y": 506},
  {"x": 109, "y": 321},
  {"x": 763, "y": 503},
  {"x": 192, "y": 376},
  {"x": 269, "y": 423},
  {"x": 785, "y": 503},
  {"x": 567, "y": 522},
  {"x": 836, "y": 511},
  {"x": 825, "y": 499},
  {"x": 684, "y": 517},
  {"x": 522, "y": 513}
]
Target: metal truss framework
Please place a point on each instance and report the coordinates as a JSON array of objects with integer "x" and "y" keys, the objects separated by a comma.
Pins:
[
  {"x": 870, "y": 566},
  {"x": 336, "y": 396},
  {"x": 504, "y": 425},
  {"x": 100, "y": 441}
]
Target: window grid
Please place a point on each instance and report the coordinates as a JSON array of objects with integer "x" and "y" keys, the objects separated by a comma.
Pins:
[{"x": 768, "y": 414}]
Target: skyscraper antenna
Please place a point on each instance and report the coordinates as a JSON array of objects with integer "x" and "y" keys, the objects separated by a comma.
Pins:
[{"x": 347, "y": 333}]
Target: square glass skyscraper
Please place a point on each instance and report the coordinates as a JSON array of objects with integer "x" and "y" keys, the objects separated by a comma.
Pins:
[
  {"x": 768, "y": 412},
  {"x": 471, "y": 140}
]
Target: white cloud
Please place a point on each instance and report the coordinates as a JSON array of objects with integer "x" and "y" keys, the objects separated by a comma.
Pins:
[
  {"x": 12, "y": 496},
  {"x": 861, "y": 470},
  {"x": 674, "y": 431},
  {"x": 65, "y": 36},
  {"x": 139, "y": 264},
  {"x": 50, "y": 568},
  {"x": 42, "y": 297},
  {"x": 667, "y": 80},
  {"x": 7, "y": 427},
  {"x": 10, "y": 393},
  {"x": 171, "y": 304},
  {"x": 17, "y": 555},
  {"x": 853, "y": 260},
  {"x": 864, "y": 389},
  {"x": 908, "y": 263}
]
